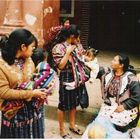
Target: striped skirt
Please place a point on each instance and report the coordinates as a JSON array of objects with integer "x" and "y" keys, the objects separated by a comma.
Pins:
[
  {"x": 27, "y": 123},
  {"x": 70, "y": 99}
]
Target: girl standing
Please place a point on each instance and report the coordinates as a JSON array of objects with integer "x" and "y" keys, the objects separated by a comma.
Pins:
[{"x": 68, "y": 99}]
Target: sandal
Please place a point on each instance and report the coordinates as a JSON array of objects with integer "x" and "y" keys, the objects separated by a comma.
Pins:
[
  {"x": 66, "y": 136},
  {"x": 76, "y": 131}
]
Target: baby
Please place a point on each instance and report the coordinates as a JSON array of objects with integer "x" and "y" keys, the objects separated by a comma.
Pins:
[
  {"x": 92, "y": 62},
  {"x": 43, "y": 78}
]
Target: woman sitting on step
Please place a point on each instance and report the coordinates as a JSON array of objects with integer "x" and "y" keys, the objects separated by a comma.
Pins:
[{"x": 121, "y": 94}]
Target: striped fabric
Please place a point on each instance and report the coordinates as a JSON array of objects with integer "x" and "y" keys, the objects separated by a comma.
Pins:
[
  {"x": 80, "y": 71},
  {"x": 44, "y": 78},
  {"x": 68, "y": 99},
  {"x": 53, "y": 32},
  {"x": 27, "y": 123}
]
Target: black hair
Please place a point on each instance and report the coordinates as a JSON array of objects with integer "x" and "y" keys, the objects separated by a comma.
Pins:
[
  {"x": 10, "y": 45},
  {"x": 93, "y": 51},
  {"x": 65, "y": 33},
  {"x": 3, "y": 39},
  {"x": 39, "y": 55},
  {"x": 124, "y": 59},
  {"x": 74, "y": 30},
  {"x": 63, "y": 20}
]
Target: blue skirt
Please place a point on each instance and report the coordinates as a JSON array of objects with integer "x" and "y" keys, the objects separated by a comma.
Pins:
[{"x": 27, "y": 123}]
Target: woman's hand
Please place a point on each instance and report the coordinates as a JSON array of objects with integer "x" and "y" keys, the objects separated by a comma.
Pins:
[
  {"x": 39, "y": 93},
  {"x": 66, "y": 57},
  {"x": 120, "y": 108},
  {"x": 70, "y": 49}
]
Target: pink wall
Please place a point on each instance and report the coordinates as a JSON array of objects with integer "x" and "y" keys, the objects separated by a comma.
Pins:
[
  {"x": 37, "y": 15},
  {"x": 2, "y": 10},
  {"x": 51, "y": 14}
]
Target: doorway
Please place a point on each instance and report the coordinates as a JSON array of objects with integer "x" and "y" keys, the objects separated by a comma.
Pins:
[{"x": 115, "y": 25}]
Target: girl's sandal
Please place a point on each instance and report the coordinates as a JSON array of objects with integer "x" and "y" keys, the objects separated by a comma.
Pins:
[
  {"x": 66, "y": 136},
  {"x": 76, "y": 131}
]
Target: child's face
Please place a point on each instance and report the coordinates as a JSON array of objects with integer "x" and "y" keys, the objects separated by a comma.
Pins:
[{"x": 88, "y": 57}]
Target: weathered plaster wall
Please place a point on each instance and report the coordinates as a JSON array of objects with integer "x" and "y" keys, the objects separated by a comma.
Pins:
[
  {"x": 51, "y": 14},
  {"x": 37, "y": 15}
]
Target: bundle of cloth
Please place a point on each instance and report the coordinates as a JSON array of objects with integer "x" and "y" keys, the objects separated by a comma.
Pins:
[
  {"x": 43, "y": 78},
  {"x": 80, "y": 70}
]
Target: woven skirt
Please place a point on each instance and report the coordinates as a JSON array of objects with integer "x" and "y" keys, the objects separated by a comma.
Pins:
[
  {"x": 70, "y": 99},
  {"x": 28, "y": 123}
]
